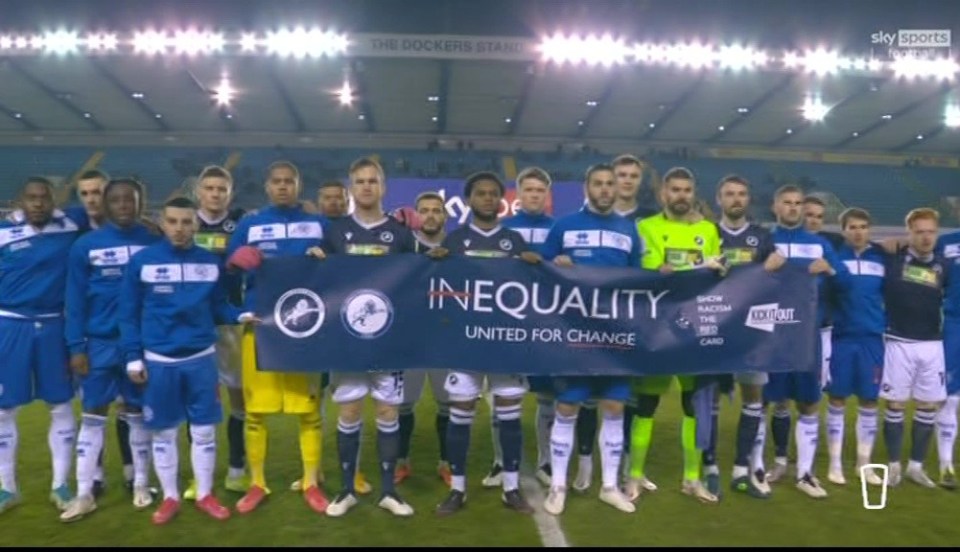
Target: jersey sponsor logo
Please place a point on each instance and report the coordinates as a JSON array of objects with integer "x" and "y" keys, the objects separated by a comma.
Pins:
[
  {"x": 367, "y": 314},
  {"x": 486, "y": 253},
  {"x": 375, "y": 249},
  {"x": 299, "y": 313},
  {"x": 17, "y": 246},
  {"x": 266, "y": 232},
  {"x": 865, "y": 268},
  {"x": 739, "y": 255},
  {"x": 506, "y": 244},
  {"x": 161, "y": 273},
  {"x": 581, "y": 238},
  {"x": 800, "y": 250},
  {"x": 767, "y": 317},
  {"x": 215, "y": 242},
  {"x": 112, "y": 256},
  {"x": 683, "y": 258},
  {"x": 921, "y": 275},
  {"x": 200, "y": 272},
  {"x": 304, "y": 230},
  {"x": 386, "y": 236},
  {"x": 951, "y": 251}
]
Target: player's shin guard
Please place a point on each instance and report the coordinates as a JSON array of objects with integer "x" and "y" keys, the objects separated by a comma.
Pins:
[
  {"x": 691, "y": 456},
  {"x": 348, "y": 448},
  {"x": 458, "y": 444},
  {"x": 203, "y": 457},
  {"x": 8, "y": 449},
  {"x": 255, "y": 432},
  {"x": 238, "y": 453},
  {"x": 408, "y": 421},
  {"x": 640, "y": 437},
  {"x": 628, "y": 413},
  {"x": 139, "y": 443},
  {"x": 780, "y": 427},
  {"x": 311, "y": 447},
  {"x": 511, "y": 442},
  {"x": 388, "y": 447},
  {"x": 947, "y": 431},
  {"x": 586, "y": 429},
  {"x": 807, "y": 431},
  {"x": 751, "y": 416},
  {"x": 166, "y": 460},
  {"x": 545, "y": 415},
  {"x": 611, "y": 448},
  {"x": 835, "y": 430},
  {"x": 561, "y": 448},
  {"x": 89, "y": 446},
  {"x": 893, "y": 434},
  {"x": 922, "y": 431},
  {"x": 61, "y": 438},
  {"x": 866, "y": 433},
  {"x": 442, "y": 423}
]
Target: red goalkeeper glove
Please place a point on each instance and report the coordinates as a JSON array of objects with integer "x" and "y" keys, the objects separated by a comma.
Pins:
[
  {"x": 246, "y": 258},
  {"x": 408, "y": 217}
]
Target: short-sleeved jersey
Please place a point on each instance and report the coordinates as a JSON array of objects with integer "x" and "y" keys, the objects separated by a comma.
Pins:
[
  {"x": 590, "y": 238},
  {"x": 214, "y": 235},
  {"x": 473, "y": 242},
  {"x": 751, "y": 243},
  {"x": 683, "y": 245},
  {"x": 913, "y": 294},
  {"x": 349, "y": 236}
]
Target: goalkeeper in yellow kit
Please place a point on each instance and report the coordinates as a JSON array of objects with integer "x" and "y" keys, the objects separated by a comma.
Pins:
[{"x": 678, "y": 238}]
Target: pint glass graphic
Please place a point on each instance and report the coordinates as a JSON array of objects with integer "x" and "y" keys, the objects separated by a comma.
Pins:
[{"x": 885, "y": 475}]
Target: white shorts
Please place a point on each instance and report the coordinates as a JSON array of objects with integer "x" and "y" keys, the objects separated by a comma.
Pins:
[
  {"x": 913, "y": 369},
  {"x": 385, "y": 387},
  {"x": 467, "y": 386},
  {"x": 413, "y": 381},
  {"x": 826, "y": 348},
  {"x": 228, "y": 356}
]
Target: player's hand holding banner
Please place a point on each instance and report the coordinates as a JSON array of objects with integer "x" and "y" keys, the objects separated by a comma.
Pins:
[{"x": 390, "y": 313}]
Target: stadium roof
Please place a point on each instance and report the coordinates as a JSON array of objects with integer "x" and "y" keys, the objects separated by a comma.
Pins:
[{"x": 138, "y": 97}]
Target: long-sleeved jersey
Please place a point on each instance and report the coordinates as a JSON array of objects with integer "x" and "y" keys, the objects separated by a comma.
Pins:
[
  {"x": 533, "y": 228},
  {"x": 948, "y": 246},
  {"x": 276, "y": 232},
  {"x": 858, "y": 310},
  {"x": 801, "y": 247},
  {"x": 682, "y": 245},
  {"x": 33, "y": 265},
  {"x": 171, "y": 302},
  {"x": 97, "y": 264},
  {"x": 590, "y": 238}
]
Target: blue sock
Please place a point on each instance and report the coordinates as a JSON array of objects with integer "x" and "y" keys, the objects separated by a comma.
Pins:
[
  {"x": 458, "y": 443},
  {"x": 238, "y": 453},
  {"x": 123, "y": 438},
  {"x": 893, "y": 433},
  {"x": 511, "y": 438},
  {"x": 348, "y": 447},
  {"x": 781, "y": 432},
  {"x": 442, "y": 422},
  {"x": 710, "y": 453},
  {"x": 407, "y": 423},
  {"x": 586, "y": 429},
  {"x": 922, "y": 431},
  {"x": 628, "y": 413},
  {"x": 750, "y": 417},
  {"x": 388, "y": 444}
]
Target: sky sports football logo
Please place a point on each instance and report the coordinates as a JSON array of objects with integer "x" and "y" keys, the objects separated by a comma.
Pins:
[
  {"x": 913, "y": 38},
  {"x": 767, "y": 317}
]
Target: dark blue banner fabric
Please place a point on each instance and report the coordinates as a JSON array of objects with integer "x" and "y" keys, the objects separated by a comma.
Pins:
[{"x": 352, "y": 313}]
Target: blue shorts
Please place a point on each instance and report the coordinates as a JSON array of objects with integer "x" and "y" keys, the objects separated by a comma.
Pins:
[
  {"x": 33, "y": 362},
  {"x": 951, "y": 354},
  {"x": 856, "y": 368},
  {"x": 540, "y": 384},
  {"x": 802, "y": 387},
  {"x": 579, "y": 389},
  {"x": 183, "y": 389},
  {"x": 107, "y": 377}
]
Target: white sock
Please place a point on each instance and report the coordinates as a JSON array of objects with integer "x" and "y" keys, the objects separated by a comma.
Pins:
[
  {"x": 806, "y": 434},
  {"x": 756, "y": 455},
  {"x": 947, "y": 431},
  {"x": 495, "y": 432},
  {"x": 585, "y": 466},
  {"x": 511, "y": 481},
  {"x": 89, "y": 445},
  {"x": 203, "y": 457},
  {"x": 61, "y": 438},
  {"x": 166, "y": 461},
  {"x": 8, "y": 449},
  {"x": 611, "y": 448},
  {"x": 139, "y": 449},
  {"x": 866, "y": 433},
  {"x": 545, "y": 415},
  {"x": 835, "y": 435},
  {"x": 561, "y": 448}
]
